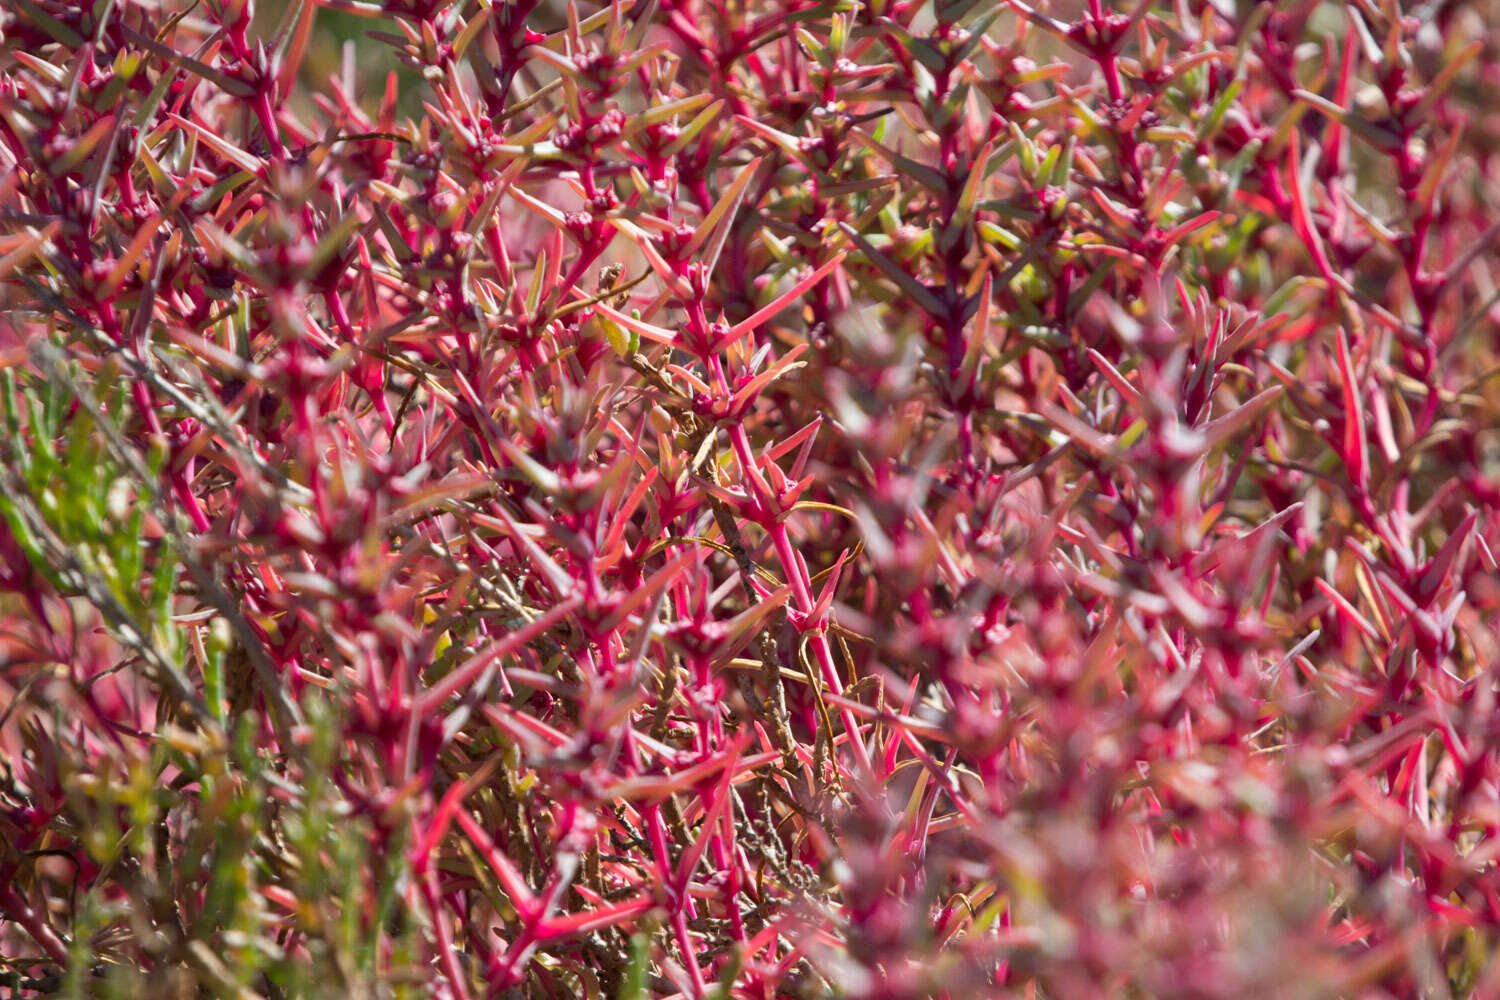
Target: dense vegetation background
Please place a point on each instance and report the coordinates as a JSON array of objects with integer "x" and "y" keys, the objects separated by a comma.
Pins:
[{"x": 739, "y": 499}]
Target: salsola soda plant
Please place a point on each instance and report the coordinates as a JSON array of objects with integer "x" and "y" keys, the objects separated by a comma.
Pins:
[{"x": 749, "y": 499}]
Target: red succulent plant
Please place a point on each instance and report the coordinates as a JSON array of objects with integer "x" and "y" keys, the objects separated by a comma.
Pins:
[{"x": 749, "y": 499}]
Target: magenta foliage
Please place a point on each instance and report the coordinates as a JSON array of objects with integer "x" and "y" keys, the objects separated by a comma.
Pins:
[{"x": 749, "y": 498}]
